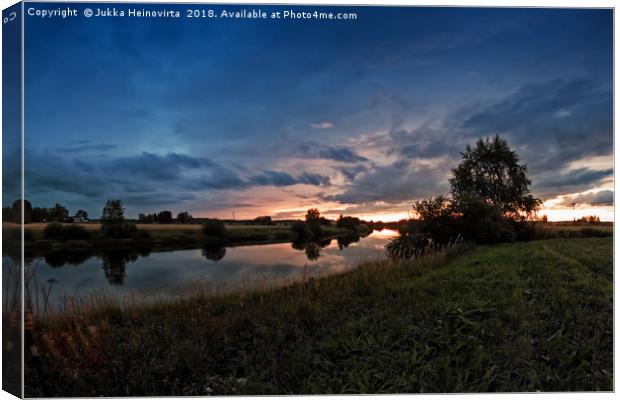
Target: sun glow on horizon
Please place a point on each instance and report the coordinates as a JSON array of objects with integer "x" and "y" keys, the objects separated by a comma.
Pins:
[
  {"x": 556, "y": 209},
  {"x": 606, "y": 214}
]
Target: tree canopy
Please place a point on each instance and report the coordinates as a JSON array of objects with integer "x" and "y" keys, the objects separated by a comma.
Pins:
[
  {"x": 491, "y": 172},
  {"x": 113, "y": 212}
]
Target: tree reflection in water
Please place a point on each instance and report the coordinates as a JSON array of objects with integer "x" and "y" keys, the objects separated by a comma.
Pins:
[
  {"x": 114, "y": 262},
  {"x": 311, "y": 248},
  {"x": 345, "y": 241},
  {"x": 214, "y": 253},
  {"x": 61, "y": 258}
]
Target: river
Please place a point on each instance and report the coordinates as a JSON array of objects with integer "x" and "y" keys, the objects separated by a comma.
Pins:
[{"x": 140, "y": 276}]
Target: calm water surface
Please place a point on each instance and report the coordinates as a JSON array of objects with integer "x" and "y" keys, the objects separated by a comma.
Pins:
[{"x": 177, "y": 272}]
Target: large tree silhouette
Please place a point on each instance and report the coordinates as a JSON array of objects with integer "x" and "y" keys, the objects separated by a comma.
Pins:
[{"x": 491, "y": 172}]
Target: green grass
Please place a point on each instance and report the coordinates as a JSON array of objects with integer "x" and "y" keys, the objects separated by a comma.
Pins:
[{"x": 512, "y": 317}]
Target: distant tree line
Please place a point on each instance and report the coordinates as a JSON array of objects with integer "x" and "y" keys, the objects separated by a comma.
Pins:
[
  {"x": 165, "y": 217},
  {"x": 57, "y": 213},
  {"x": 313, "y": 226},
  {"x": 589, "y": 219}
]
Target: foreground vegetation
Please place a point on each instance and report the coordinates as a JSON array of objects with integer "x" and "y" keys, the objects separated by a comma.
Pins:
[{"x": 522, "y": 316}]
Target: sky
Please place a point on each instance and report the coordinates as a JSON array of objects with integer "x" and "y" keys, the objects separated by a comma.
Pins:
[{"x": 271, "y": 117}]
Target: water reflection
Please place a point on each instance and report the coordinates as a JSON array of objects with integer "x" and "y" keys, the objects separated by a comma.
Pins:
[
  {"x": 214, "y": 253},
  {"x": 115, "y": 264},
  {"x": 62, "y": 258},
  {"x": 312, "y": 249},
  {"x": 345, "y": 241},
  {"x": 138, "y": 271}
]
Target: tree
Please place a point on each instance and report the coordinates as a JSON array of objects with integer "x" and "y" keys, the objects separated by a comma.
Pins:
[
  {"x": 147, "y": 218},
  {"x": 80, "y": 216},
  {"x": 346, "y": 222},
  {"x": 313, "y": 219},
  {"x": 59, "y": 213},
  {"x": 113, "y": 221},
  {"x": 164, "y": 217},
  {"x": 263, "y": 220},
  {"x": 312, "y": 216},
  {"x": 113, "y": 213},
  {"x": 214, "y": 228},
  {"x": 17, "y": 211},
  {"x": 183, "y": 218},
  {"x": 491, "y": 172},
  {"x": 40, "y": 214},
  {"x": 302, "y": 231},
  {"x": 436, "y": 220}
]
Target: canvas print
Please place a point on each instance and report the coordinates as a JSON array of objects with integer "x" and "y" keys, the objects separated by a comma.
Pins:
[{"x": 306, "y": 199}]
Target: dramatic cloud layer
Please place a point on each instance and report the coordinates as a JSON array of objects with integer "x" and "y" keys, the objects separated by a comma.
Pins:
[
  {"x": 601, "y": 198},
  {"x": 358, "y": 117}
]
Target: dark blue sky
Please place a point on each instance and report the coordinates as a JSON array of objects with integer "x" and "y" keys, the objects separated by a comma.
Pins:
[
  {"x": 11, "y": 106},
  {"x": 271, "y": 117}
]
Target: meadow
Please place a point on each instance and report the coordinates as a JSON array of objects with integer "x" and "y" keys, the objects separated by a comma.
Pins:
[{"x": 522, "y": 316}]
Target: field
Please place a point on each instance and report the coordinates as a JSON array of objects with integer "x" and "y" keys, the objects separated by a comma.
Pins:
[
  {"x": 513, "y": 317},
  {"x": 607, "y": 227}
]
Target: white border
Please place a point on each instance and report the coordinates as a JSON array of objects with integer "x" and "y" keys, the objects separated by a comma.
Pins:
[{"x": 463, "y": 3}]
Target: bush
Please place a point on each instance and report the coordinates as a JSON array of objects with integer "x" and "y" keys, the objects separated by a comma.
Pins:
[
  {"x": 58, "y": 231},
  {"x": 582, "y": 233},
  {"x": 54, "y": 231},
  {"x": 214, "y": 228},
  {"x": 118, "y": 231},
  {"x": 437, "y": 220},
  {"x": 484, "y": 223},
  {"x": 76, "y": 232},
  {"x": 16, "y": 234},
  {"x": 406, "y": 246},
  {"x": 316, "y": 230},
  {"x": 593, "y": 232},
  {"x": 142, "y": 234},
  {"x": 302, "y": 231}
]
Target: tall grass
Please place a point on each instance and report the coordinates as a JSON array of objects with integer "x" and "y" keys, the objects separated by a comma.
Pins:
[{"x": 514, "y": 317}]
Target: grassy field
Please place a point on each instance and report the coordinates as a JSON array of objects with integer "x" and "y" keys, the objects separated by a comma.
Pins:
[
  {"x": 513, "y": 317},
  {"x": 607, "y": 227}
]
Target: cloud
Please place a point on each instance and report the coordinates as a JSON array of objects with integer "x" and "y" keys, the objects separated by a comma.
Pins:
[
  {"x": 352, "y": 172},
  {"x": 341, "y": 154},
  {"x": 88, "y": 147},
  {"x": 322, "y": 125},
  {"x": 571, "y": 181},
  {"x": 395, "y": 183},
  {"x": 143, "y": 179},
  {"x": 160, "y": 167},
  {"x": 278, "y": 179},
  {"x": 600, "y": 198},
  {"x": 528, "y": 117},
  {"x": 313, "y": 179}
]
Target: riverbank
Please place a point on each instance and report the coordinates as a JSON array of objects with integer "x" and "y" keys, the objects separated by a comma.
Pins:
[
  {"x": 159, "y": 237},
  {"x": 512, "y": 317}
]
